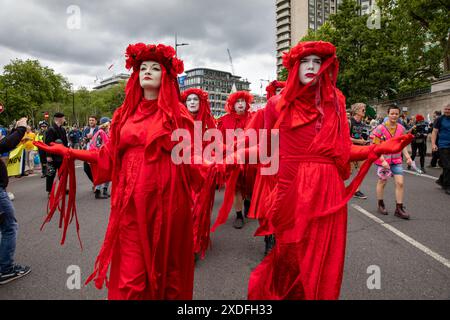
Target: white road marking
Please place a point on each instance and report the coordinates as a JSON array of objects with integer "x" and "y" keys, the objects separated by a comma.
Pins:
[
  {"x": 405, "y": 237},
  {"x": 421, "y": 175}
]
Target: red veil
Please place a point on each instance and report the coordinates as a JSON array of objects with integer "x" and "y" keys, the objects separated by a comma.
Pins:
[
  {"x": 204, "y": 112},
  {"x": 271, "y": 89}
]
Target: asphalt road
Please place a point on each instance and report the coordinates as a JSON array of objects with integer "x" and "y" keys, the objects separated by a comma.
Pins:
[{"x": 410, "y": 257}]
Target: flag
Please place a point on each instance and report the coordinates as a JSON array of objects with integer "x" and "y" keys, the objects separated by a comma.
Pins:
[{"x": 16, "y": 158}]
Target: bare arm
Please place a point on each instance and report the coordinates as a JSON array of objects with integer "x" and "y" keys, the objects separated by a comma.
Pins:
[{"x": 434, "y": 138}]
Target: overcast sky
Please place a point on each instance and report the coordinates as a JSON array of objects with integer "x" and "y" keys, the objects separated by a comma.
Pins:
[{"x": 47, "y": 30}]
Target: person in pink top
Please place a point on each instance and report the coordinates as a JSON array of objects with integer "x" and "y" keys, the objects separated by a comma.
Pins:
[
  {"x": 391, "y": 164},
  {"x": 99, "y": 139}
]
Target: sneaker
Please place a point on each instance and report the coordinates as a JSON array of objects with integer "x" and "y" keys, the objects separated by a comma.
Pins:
[
  {"x": 238, "y": 223},
  {"x": 360, "y": 195},
  {"x": 11, "y": 196},
  {"x": 16, "y": 272},
  {"x": 99, "y": 195}
]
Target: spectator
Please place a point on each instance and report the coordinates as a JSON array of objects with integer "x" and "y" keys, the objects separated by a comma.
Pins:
[
  {"x": 435, "y": 161},
  {"x": 99, "y": 139},
  {"x": 40, "y": 136},
  {"x": 4, "y": 156},
  {"x": 420, "y": 132},
  {"x": 9, "y": 271},
  {"x": 391, "y": 164},
  {"x": 358, "y": 136},
  {"x": 88, "y": 133},
  {"x": 30, "y": 150},
  {"x": 75, "y": 137},
  {"x": 56, "y": 134},
  {"x": 442, "y": 128}
]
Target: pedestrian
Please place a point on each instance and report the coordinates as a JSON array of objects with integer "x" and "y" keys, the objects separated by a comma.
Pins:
[
  {"x": 87, "y": 135},
  {"x": 149, "y": 242},
  {"x": 30, "y": 150},
  {"x": 420, "y": 132},
  {"x": 442, "y": 128},
  {"x": 101, "y": 138},
  {"x": 9, "y": 270},
  {"x": 40, "y": 137},
  {"x": 237, "y": 117},
  {"x": 308, "y": 204},
  {"x": 358, "y": 136},
  {"x": 435, "y": 161},
  {"x": 391, "y": 164},
  {"x": 74, "y": 137},
  {"x": 4, "y": 156},
  {"x": 55, "y": 134}
]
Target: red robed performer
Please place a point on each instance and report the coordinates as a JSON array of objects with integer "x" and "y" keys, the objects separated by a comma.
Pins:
[
  {"x": 149, "y": 241},
  {"x": 274, "y": 88},
  {"x": 264, "y": 184},
  {"x": 307, "y": 208},
  {"x": 196, "y": 101},
  {"x": 240, "y": 180}
]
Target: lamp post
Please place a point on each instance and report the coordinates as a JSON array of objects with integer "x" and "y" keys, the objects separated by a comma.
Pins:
[{"x": 178, "y": 45}]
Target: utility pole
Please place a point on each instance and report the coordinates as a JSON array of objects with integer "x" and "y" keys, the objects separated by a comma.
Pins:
[{"x": 178, "y": 45}]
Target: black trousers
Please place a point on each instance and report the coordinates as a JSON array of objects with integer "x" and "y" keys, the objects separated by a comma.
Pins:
[
  {"x": 43, "y": 159},
  {"x": 87, "y": 170},
  {"x": 435, "y": 159},
  {"x": 51, "y": 174},
  {"x": 444, "y": 154},
  {"x": 422, "y": 147}
]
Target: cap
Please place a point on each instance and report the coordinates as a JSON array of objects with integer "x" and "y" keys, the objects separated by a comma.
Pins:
[
  {"x": 43, "y": 123},
  {"x": 104, "y": 120},
  {"x": 58, "y": 115}
]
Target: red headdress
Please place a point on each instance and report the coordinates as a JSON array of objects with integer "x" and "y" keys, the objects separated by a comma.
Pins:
[
  {"x": 204, "y": 112},
  {"x": 271, "y": 89},
  {"x": 319, "y": 101},
  {"x": 231, "y": 101},
  {"x": 419, "y": 117}
]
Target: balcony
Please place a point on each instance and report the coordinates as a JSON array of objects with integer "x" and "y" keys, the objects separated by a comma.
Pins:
[
  {"x": 284, "y": 29},
  {"x": 284, "y": 22},
  {"x": 280, "y": 2},
  {"x": 286, "y": 5},
  {"x": 283, "y": 14},
  {"x": 285, "y": 45}
]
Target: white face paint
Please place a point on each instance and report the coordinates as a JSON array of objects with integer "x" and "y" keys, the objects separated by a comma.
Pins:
[
  {"x": 240, "y": 106},
  {"x": 193, "y": 103},
  {"x": 150, "y": 75},
  {"x": 309, "y": 67},
  {"x": 278, "y": 90}
]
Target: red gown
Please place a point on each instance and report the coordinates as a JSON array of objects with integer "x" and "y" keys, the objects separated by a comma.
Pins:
[
  {"x": 151, "y": 219},
  {"x": 247, "y": 176},
  {"x": 308, "y": 258}
]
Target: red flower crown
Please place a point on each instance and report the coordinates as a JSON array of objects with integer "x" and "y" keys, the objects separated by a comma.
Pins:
[
  {"x": 202, "y": 95},
  {"x": 139, "y": 52},
  {"x": 320, "y": 48}
]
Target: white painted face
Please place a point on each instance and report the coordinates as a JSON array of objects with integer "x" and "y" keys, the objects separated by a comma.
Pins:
[
  {"x": 309, "y": 67},
  {"x": 193, "y": 103},
  {"x": 150, "y": 75},
  {"x": 278, "y": 90},
  {"x": 240, "y": 106}
]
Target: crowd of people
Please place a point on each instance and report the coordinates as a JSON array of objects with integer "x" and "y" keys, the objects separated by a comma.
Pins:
[{"x": 161, "y": 211}]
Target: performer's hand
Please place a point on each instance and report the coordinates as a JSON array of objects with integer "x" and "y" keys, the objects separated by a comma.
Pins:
[
  {"x": 385, "y": 164},
  {"x": 394, "y": 145},
  {"x": 53, "y": 148}
]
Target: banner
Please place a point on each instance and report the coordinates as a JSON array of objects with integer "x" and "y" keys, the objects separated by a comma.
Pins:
[{"x": 15, "y": 162}]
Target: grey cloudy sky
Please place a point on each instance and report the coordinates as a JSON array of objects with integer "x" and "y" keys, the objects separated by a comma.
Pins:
[{"x": 39, "y": 30}]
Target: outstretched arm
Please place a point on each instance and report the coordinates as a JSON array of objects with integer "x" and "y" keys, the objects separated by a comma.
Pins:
[
  {"x": 59, "y": 149},
  {"x": 358, "y": 153}
]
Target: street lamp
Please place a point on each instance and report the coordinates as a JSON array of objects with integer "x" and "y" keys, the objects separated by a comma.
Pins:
[{"x": 178, "y": 45}]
